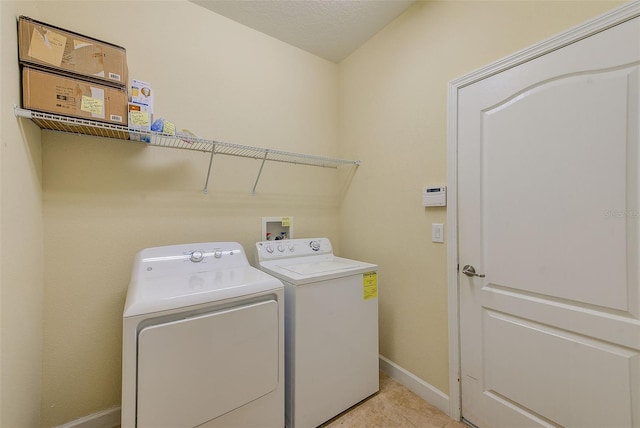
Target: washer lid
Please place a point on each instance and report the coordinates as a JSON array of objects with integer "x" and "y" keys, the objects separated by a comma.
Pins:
[
  {"x": 172, "y": 291},
  {"x": 306, "y": 270},
  {"x": 318, "y": 267}
]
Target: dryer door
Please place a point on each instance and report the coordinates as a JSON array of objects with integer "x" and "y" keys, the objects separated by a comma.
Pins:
[{"x": 193, "y": 370}]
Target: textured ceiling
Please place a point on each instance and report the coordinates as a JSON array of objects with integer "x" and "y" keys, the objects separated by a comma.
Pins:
[{"x": 331, "y": 29}]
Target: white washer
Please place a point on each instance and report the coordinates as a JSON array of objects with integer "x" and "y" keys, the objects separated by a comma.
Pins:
[
  {"x": 331, "y": 328},
  {"x": 203, "y": 340}
]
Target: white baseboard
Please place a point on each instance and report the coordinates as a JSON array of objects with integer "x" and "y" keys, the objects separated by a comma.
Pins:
[
  {"x": 428, "y": 392},
  {"x": 111, "y": 418},
  {"x": 106, "y": 419}
]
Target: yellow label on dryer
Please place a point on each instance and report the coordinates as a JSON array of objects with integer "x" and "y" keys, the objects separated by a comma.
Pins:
[{"x": 369, "y": 285}]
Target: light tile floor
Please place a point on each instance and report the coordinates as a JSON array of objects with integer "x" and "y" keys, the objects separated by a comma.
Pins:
[{"x": 394, "y": 406}]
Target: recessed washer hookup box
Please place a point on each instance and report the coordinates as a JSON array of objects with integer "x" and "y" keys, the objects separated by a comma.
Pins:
[
  {"x": 44, "y": 45},
  {"x": 67, "y": 96}
]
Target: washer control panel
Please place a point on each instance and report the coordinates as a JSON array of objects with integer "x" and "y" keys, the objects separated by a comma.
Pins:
[{"x": 287, "y": 248}]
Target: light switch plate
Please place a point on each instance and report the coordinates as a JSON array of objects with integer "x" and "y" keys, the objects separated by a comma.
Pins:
[{"x": 437, "y": 232}]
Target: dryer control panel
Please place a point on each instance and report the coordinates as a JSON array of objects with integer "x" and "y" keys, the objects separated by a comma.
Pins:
[
  {"x": 288, "y": 248},
  {"x": 187, "y": 258}
]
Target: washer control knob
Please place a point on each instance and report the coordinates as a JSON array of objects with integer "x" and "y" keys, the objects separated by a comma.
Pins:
[
  {"x": 269, "y": 249},
  {"x": 315, "y": 245},
  {"x": 292, "y": 248},
  {"x": 217, "y": 254},
  {"x": 281, "y": 248},
  {"x": 197, "y": 256}
]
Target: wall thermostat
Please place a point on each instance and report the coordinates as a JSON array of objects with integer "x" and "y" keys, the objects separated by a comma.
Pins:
[{"x": 434, "y": 196}]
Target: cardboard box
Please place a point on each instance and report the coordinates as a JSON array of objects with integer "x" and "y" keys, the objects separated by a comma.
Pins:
[
  {"x": 47, "y": 46},
  {"x": 59, "y": 94}
]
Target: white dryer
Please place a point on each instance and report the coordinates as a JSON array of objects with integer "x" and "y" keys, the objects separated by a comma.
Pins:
[
  {"x": 203, "y": 340},
  {"x": 331, "y": 328}
]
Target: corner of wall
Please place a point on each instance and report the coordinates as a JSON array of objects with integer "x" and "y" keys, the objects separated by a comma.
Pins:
[{"x": 21, "y": 278}]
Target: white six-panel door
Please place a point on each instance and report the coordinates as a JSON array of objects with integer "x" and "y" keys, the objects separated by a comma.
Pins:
[{"x": 548, "y": 209}]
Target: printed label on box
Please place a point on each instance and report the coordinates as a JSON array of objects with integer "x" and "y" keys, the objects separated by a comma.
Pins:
[{"x": 64, "y": 97}]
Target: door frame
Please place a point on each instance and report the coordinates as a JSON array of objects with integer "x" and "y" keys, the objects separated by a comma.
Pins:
[{"x": 610, "y": 19}]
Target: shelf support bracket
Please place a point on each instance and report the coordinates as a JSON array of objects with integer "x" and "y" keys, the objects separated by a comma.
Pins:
[
  {"x": 264, "y": 159},
  {"x": 206, "y": 183},
  {"x": 21, "y": 112}
]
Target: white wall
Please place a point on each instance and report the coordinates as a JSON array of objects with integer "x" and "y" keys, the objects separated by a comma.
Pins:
[
  {"x": 21, "y": 248},
  {"x": 393, "y": 115},
  {"x": 105, "y": 200},
  {"x": 91, "y": 203}
]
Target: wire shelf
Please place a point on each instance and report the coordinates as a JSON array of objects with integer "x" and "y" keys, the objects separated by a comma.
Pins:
[{"x": 99, "y": 129}]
